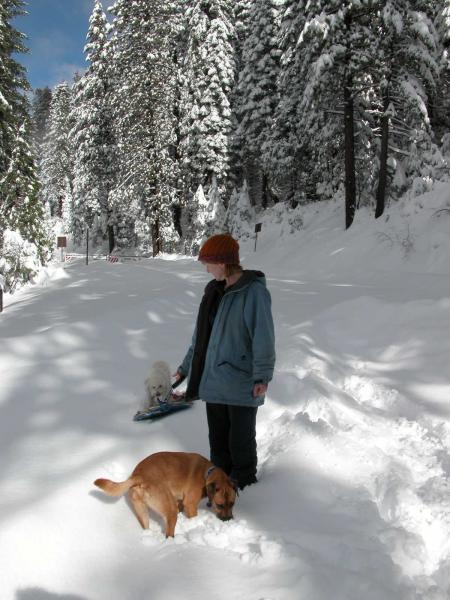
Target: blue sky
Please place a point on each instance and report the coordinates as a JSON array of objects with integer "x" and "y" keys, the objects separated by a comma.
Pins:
[{"x": 56, "y": 31}]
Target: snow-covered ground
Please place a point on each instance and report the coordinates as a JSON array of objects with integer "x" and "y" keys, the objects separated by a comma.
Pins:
[{"x": 353, "y": 501}]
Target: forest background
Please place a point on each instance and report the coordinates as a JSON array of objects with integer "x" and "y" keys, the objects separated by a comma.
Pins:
[{"x": 197, "y": 116}]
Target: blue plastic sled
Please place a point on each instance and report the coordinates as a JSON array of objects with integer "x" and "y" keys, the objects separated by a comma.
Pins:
[
  {"x": 164, "y": 408},
  {"x": 173, "y": 403}
]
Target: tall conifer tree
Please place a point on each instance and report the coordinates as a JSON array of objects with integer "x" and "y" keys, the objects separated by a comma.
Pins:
[
  {"x": 407, "y": 84},
  {"x": 92, "y": 137},
  {"x": 291, "y": 157},
  {"x": 328, "y": 47},
  {"x": 42, "y": 99},
  {"x": 441, "y": 108},
  {"x": 13, "y": 84},
  {"x": 13, "y": 81},
  {"x": 142, "y": 100},
  {"x": 57, "y": 159},
  {"x": 208, "y": 80},
  {"x": 19, "y": 190},
  {"x": 257, "y": 94}
]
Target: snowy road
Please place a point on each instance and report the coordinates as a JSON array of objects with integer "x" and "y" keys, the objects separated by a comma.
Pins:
[{"x": 353, "y": 499}]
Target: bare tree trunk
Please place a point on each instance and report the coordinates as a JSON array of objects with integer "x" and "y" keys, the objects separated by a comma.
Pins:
[
  {"x": 156, "y": 240},
  {"x": 382, "y": 175},
  {"x": 2, "y": 230},
  {"x": 253, "y": 176},
  {"x": 349, "y": 140},
  {"x": 111, "y": 240},
  {"x": 267, "y": 196},
  {"x": 350, "y": 182}
]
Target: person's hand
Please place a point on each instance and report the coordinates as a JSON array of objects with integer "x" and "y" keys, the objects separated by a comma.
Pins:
[
  {"x": 259, "y": 389},
  {"x": 177, "y": 376}
]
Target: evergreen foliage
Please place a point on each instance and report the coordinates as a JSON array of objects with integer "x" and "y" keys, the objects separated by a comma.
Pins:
[
  {"x": 207, "y": 84},
  {"x": 441, "y": 112},
  {"x": 42, "y": 99},
  {"x": 257, "y": 95},
  {"x": 207, "y": 215},
  {"x": 93, "y": 139},
  {"x": 13, "y": 81},
  {"x": 142, "y": 99},
  {"x": 408, "y": 74},
  {"x": 18, "y": 261},
  {"x": 23, "y": 241},
  {"x": 327, "y": 49},
  {"x": 287, "y": 101},
  {"x": 58, "y": 157},
  {"x": 240, "y": 215},
  {"x": 19, "y": 188}
]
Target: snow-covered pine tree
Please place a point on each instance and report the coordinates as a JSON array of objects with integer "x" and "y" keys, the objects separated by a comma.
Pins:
[
  {"x": 142, "y": 100},
  {"x": 198, "y": 210},
  {"x": 441, "y": 107},
  {"x": 42, "y": 98},
  {"x": 327, "y": 48},
  {"x": 57, "y": 157},
  {"x": 180, "y": 43},
  {"x": 19, "y": 192},
  {"x": 207, "y": 216},
  {"x": 208, "y": 79},
  {"x": 240, "y": 217},
  {"x": 13, "y": 81},
  {"x": 257, "y": 95},
  {"x": 241, "y": 12},
  {"x": 217, "y": 210},
  {"x": 92, "y": 138},
  {"x": 13, "y": 84},
  {"x": 408, "y": 74},
  {"x": 285, "y": 151},
  {"x": 241, "y": 9},
  {"x": 304, "y": 150}
]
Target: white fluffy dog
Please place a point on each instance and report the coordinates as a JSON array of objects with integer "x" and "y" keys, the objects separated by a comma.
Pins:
[{"x": 157, "y": 384}]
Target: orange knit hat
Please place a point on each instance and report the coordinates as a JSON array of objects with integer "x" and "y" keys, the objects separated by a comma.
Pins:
[{"x": 220, "y": 249}]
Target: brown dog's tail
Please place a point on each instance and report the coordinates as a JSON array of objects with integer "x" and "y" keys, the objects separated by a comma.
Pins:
[{"x": 113, "y": 488}]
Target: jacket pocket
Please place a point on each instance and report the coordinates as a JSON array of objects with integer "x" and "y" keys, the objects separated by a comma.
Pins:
[
  {"x": 228, "y": 383},
  {"x": 226, "y": 365}
]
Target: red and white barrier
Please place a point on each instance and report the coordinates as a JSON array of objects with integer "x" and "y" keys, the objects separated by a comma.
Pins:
[{"x": 113, "y": 258}]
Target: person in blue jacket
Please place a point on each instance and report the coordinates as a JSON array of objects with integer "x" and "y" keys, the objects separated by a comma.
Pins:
[{"x": 232, "y": 356}]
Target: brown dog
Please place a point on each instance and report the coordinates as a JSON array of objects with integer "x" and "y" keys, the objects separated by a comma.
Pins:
[{"x": 168, "y": 482}]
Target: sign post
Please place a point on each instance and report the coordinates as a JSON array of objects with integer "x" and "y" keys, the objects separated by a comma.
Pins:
[
  {"x": 87, "y": 245},
  {"x": 61, "y": 242},
  {"x": 257, "y": 230}
]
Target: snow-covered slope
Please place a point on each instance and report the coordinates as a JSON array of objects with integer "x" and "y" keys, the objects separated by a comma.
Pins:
[{"x": 354, "y": 439}]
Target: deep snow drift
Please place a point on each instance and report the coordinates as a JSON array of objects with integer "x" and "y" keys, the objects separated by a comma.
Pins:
[{"x": 353, "y": 501}]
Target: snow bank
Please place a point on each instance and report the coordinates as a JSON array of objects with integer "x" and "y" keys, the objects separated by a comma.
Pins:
[{"x": 353, "y": 441}]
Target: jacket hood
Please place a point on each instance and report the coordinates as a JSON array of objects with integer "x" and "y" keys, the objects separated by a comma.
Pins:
[{"x": 248, "y": 277}]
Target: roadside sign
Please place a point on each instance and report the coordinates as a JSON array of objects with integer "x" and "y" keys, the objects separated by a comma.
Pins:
[
  {"x": 61, "y": 242},
  {"x": 257, "y": 230}
]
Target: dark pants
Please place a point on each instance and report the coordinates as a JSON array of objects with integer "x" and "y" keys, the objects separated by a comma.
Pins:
[{"x": 232, "y": 440}]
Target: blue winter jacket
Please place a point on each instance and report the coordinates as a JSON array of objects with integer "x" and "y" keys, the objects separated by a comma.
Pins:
[{"x": 241, "y": 347}]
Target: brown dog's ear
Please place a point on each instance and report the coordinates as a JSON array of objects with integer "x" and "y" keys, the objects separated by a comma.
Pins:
[
  {"x": 234, "y": 484},
  {"x": 211, "y": 490}
]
